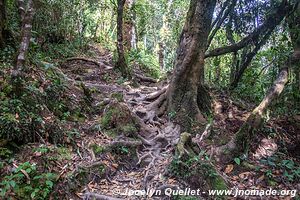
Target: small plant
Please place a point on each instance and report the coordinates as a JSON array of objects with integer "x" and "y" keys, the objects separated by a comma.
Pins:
[
  {"x": 172, "y": 114},
  {"x": 26, "y": 183},
  {"x": 237, "y": 161}
]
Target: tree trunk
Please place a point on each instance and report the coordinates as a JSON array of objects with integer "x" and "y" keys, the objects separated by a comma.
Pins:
[
  {"x": 294, "y": 27},
  {"x": 182, "y": 94},
  {"x": 246, "y": 134},
  {"x": 161, "y": 55},
  {"x": 121, "y": 63},
  {"x": 129, "y": 26},
  {"x": 242, "y": 140},
  {"x": 217, "y": 64},
  {"x": 2, "y": 23},
  {"x": 26, "y": 12}
]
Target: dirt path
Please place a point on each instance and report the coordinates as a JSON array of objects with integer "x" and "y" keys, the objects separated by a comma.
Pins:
[{"x": 159, "y": 136}]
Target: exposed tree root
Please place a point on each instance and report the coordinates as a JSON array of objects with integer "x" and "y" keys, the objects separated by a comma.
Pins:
[
  {"x": 99, "y": 64},
  {"x": 145, "y": 79},
  {"x": 94, "y": 196},
  {"x": 126, "y": 143}
]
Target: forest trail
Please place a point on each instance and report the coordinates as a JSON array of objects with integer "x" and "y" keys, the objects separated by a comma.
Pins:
[{"x": 158, "y": 137}]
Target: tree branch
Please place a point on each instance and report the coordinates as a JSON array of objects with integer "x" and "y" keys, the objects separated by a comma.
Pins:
[
  {"x": 269, "y": 25},
  {"x": 220, "y": 21}
]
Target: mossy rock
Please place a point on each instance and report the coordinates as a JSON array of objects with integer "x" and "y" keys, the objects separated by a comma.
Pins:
[{"x": 117, "y": 119}]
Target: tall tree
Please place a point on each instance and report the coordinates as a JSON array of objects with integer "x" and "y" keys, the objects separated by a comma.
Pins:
[
  {"x": 245, "y": 136},
  {"x": 294, "y": 28},
  {"x": 26, "y": 12},
  {"x": 121, "y": 63},
  {"x": 129, "y": 25},
  {"x": 182, "y": 96},
  {"x": 2, "y": 22},
  {"x": 254, "y": 40}
]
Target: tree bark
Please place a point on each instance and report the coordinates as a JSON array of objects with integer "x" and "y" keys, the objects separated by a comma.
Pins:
[
  {"x": 26, "y": 12},
  {"x": 161, "y": 55},
  {"x": 2, "y": 23},
  {"x": 294, "y": 27},
  {"x": 129, "y": 26},
  {"x": 182, "y": 94},
  {"x": 121, "y": 63},
  {"x": 242, "y": 140}
]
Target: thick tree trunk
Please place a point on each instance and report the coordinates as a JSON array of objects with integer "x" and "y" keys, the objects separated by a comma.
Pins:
[
  {"x": 121, "y": 63},
  {"x": 294, "y": 27},
  {"x": 26, "y": 12},
  {"x": 182, "y": 94}
]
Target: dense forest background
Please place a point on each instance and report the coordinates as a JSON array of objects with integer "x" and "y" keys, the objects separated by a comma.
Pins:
[{"x": 97, "y": 96}]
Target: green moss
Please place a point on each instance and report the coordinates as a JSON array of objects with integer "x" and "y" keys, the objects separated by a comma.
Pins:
[
  {"x": 106, "y": 119},
  {"x": 62, "y": 153},
  {"x": 129, "y": 129},
  {"x": 218, "y": 183},
  {"x": 97, "y": 149},
  {"x": 118, "y": 96},
  {"x": 197, "y": 172},
  {"x": 117, "y": 119}
]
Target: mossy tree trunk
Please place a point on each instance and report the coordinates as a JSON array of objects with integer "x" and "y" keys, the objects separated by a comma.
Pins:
[
  {"x": 121, "y": 63},
  {"x": 246, "y": 135},
  {"x": 294, "y": 28},
  {"x": 129, "y": 26},
  {"x": 182, "y": 94},
  {"x": 2, "y": 23},
  {"x": 26, "y": 12}
]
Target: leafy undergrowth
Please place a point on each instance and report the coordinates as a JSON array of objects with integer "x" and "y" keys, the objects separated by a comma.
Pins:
[{"x": 54, "y": 131}]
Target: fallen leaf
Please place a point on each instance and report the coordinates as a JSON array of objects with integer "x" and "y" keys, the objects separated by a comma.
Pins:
[
  {"x": 37, "y": 154},
  {"x": 228, "y": 169},
  {"x": 244, "y": 175},
  {"x": 260, "y": 179}
]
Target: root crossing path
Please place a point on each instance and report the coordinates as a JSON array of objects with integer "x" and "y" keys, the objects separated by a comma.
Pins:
[{"x": 147, "y": 177}]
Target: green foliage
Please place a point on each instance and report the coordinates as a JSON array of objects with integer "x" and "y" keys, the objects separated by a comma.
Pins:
[
  {"x": 147, "y": 62},
  {"x": 198, "y": 172},
  {"x": 237, "y": 161},
  {"x": 33, "y": 186},
  {"x": 290, "y": 170},
  {"x": 97, "y": 149},
  {"x": 5, "y": 153}
]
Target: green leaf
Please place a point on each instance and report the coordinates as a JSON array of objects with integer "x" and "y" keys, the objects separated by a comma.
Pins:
[
  {"x": 12, "y": 183},
  {"x": 237, "y": 161},
  {"x": 49, "y": 184}
]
